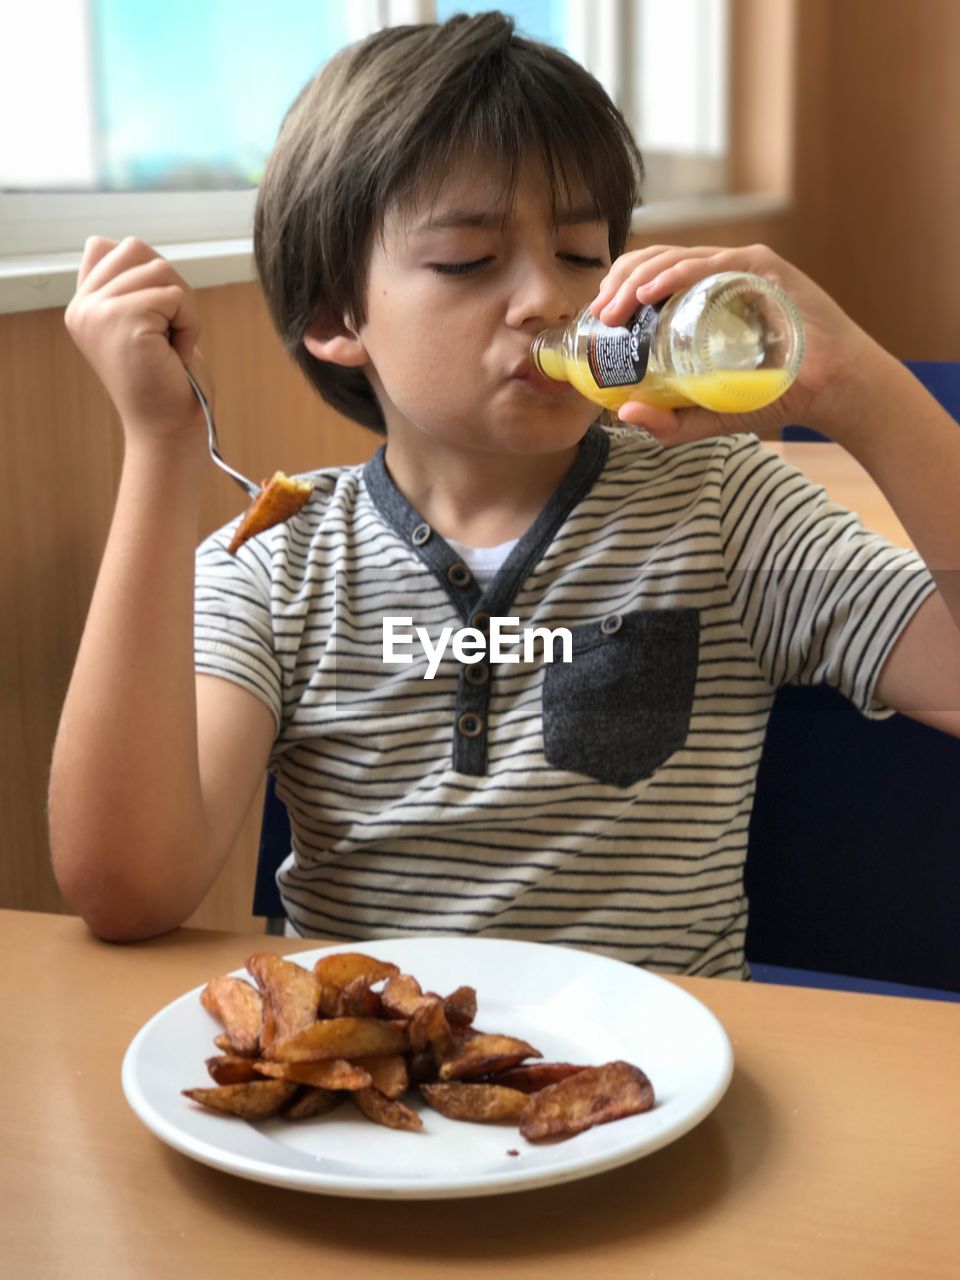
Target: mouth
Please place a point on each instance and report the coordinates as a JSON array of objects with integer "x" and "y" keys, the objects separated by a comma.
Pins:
[{"x": 530, "y": 376}]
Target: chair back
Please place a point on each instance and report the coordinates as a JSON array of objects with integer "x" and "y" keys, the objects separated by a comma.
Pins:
[
  {"x": 940, "y": 377},
  {"x": 853, "y": 866},
  {"x": 275, "y": 846},
  {"x": 853, "y": 863}
]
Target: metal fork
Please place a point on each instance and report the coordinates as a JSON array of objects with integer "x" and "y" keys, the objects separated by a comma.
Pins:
[{"x": 252, "y": 490}]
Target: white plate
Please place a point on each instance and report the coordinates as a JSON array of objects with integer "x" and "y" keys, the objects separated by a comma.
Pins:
[{"x": 571, "y": 1005}]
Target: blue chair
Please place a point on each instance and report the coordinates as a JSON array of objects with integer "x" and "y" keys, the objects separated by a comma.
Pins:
[
  {"x": 853, "y": 864},
  {"x": 275, "y": 845},
  {"x": 940, "y": 377},
  {"x": 853, "y": 872}
]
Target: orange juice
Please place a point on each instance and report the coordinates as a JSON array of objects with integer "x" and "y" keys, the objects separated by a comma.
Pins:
[
  {"x": 732, "y": 342},
  {"x": 728, "y": 391}
]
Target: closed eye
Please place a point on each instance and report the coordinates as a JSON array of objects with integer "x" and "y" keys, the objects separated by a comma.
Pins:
[
  {"x": 583, "y": 262},
  {"x": 465, "y": 268},
  {"x": 458, "y": 268}
]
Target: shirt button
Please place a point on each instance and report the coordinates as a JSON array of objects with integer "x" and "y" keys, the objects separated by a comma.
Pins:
[
  {"x": 478, "y": 673},
  {"x": 470, "y": 725},
  {"x": 420, "y": 535},
  {"x": 481, "y": 621},
  {"x": 611, "y": 624},
  {"x": 458, "y": 574}
]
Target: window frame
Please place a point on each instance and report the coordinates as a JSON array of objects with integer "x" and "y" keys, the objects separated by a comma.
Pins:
[{"x": 208, "y": 234}]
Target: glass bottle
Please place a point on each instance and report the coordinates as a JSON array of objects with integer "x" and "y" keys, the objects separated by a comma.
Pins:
[{"x": 732, "y": 343}]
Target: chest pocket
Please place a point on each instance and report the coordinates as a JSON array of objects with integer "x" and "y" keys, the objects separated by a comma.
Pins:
[{"x": 622, "y": 706}]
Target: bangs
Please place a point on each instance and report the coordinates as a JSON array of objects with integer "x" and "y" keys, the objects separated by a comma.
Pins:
[{"x": 508, "y": 113}]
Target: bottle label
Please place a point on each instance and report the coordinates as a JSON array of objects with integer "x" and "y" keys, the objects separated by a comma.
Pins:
[{"x": 618, "y": 355}]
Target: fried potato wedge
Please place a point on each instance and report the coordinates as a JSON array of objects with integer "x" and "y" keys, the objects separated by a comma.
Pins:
[
  {"x": 312, "y": 1102},
  {"x": 402, "y": 996},
  {"x": 386, "y": 1111},
  {"x": 252, "y": 1101},
  {"x": 341, "y": 969},
  {"x": 232, "y": 1069},
  {"x": 290, "y": 996},
  {"x": 422, "y": 1066},
  {"x": 332, "y": 1073},
  {"x": 300, "y": 1041},
  {"x": 533, "y": 1076},
  {"x": 328, "y": 1000},
  {"x": 593, "y": 1096},
  {"x": 239, "y": 1006},
  {"x": 485, "y": 1055},
  {"x": 460, "y": 1007},
  {"x": 389, "y": 1074},
  {"x": 340, "y": 1038},
  {"x": 429, "y": 1026},
  {"x": 279, "y": 498},
  {"x": 481, "y": 1103},
  {"x": 358, "y": 1000}
]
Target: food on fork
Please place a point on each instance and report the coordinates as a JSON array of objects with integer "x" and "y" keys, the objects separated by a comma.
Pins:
[
  {"x": 356, "y": 1027},
  {"x": 279, "y": 498}
]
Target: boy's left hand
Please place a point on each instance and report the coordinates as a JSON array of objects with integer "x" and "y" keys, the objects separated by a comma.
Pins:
[{"x": 836, "y": 347}]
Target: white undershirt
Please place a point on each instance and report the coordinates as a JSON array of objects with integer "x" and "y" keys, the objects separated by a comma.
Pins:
[{"x": 483, "y": 562}]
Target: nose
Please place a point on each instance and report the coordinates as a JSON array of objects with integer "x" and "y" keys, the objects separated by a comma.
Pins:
[{"x": 540, "y": 294}]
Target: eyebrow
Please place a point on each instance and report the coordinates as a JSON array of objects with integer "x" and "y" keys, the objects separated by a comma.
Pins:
[{"x": 454, "y": 218}]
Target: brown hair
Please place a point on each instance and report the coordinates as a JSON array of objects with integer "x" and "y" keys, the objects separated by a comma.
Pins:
[{"x": 382, "y": 123}]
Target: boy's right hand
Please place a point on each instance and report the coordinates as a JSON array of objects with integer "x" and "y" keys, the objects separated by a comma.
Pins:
[{"x": 137, "y": 323}]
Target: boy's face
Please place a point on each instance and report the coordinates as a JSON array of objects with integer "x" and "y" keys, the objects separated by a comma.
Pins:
[{"x": 449, "y": 350}]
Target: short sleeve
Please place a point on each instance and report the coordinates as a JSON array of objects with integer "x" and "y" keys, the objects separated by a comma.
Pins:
[
  {"x": 821, "y": 599},
  {"x": 233, "y": 624}
]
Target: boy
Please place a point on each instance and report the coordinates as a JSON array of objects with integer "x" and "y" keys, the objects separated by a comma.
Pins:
[{"x": 438, "y": 195}]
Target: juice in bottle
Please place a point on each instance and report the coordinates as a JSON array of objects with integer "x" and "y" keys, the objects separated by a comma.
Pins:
[{"x": 731, "y": 343}]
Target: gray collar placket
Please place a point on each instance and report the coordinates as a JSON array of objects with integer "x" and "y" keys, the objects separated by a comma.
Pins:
[{"x": 473, "y": 606}]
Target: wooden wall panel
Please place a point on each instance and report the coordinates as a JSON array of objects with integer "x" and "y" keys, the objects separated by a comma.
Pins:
[
  {"x": 763, "y": 70},
  {"x": 878, "y": 165},
  {"x": 63, "y": 451}
]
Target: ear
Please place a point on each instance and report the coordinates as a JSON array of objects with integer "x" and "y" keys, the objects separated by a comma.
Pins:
[{"x": 335, "y": 344}]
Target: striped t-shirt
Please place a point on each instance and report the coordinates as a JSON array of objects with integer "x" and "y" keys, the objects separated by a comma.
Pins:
[{"x": 603, "y": 802}]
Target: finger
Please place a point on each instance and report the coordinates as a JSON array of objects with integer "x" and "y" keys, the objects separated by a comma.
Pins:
[
  {"x": 168, "y": 310},
  {"x": 643, "y": 261},
  {"x": 621, "y": 302},
  {"x": 654, "y": 280},
  {"x": 670, "y": 428},
  {"x": 690, "y": 269},
  {"x": 620, "y": 270},
  {"x": 684, "y": 425},
  {"x": 146, "y": 275},
  {"x": 119, "y": 257},
  {"x": 624, "y": 265},
  {"x": 671, "y": 275},
  {"x": 662, "y": 423},
  {"x": 183, "y": 329},
  {"x": 184, "y": 332},
  {"x": 95, "y": 249}
]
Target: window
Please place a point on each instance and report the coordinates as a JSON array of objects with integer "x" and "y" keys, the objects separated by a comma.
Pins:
[
  {"x": 151, "y": 120},
  {"x": 664, "y": 62},
  {"x": 156, "y": 120}
]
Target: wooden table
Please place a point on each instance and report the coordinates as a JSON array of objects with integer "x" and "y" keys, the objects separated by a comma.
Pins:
[
  {"x": 835, "y": 1153},
  {"x": 846, "y": 482}
]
